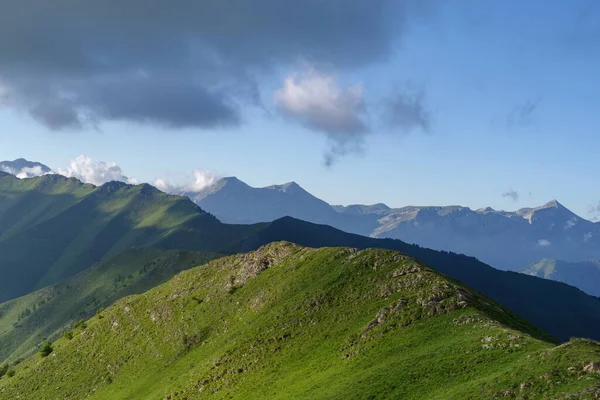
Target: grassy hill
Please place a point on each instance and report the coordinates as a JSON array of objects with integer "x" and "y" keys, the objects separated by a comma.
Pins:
[
  {"x": 27, "y": 321},
  {"x": 53, "y": 227},
  {"x": 287, "y": 322},
  {"x": 561, "y": 310},
  {"x": 585, "y": 274}
]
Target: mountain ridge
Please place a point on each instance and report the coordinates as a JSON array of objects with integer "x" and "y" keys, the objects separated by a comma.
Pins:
[
  {"x": 286, "y": 321},
  {"x": 530, "y": 233}
]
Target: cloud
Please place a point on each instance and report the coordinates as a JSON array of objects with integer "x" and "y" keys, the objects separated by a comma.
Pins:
[
  {"x": 594, "y": 212},
  {"x": 512, "y": 194},
  {"x": 182, "y": 63},
  {"x": 95, "y": 172},
  {"x": 406, "y": 111},
  {"x": 317, "y": 101},
  {"x": 544, "y": 243},
  {"x": 200, "y": 180},
  {"x": 522, "y": 115},
  {"x": 30, "y": 172},
  {"x": 25, "y": 172},
  {"x": 571, "y": 223}
]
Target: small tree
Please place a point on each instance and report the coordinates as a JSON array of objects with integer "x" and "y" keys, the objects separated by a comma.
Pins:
[{"x": 46, "y": 349}]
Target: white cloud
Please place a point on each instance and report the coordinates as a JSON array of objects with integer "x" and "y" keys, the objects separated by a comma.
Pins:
[
  {"x": 201, "y": 179},
  {"x": 317, "y": 101},
  {"x": 95, "y": 172},
  {"x": 164, "y": 186},
  {"x": 571, "y": 223},
  {"x": 544, "y": 243},
  {"x": 31, "y": 172},
  {"x": 25, "y": 172}
]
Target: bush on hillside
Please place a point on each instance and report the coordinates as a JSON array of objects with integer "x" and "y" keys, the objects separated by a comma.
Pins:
[{"x": 46, "y": 349}]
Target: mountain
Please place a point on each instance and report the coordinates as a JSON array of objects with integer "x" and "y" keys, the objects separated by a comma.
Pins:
[
  {"x": 23, "y": 168},
  {"x": 584, "y": 274},
  {"x": 47, "y": 312},
  {"x": 233, "y": 201},
  {"x": 293, "y": 322},
  {"x": 54, "y": 227},
  {"x": 505, "y": 240}
]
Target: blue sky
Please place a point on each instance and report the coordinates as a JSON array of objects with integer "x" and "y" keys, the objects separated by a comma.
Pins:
[{"x": 510, "y": 90}]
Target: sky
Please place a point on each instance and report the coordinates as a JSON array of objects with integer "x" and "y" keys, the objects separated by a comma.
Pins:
[{"x": 478, "y": 102}]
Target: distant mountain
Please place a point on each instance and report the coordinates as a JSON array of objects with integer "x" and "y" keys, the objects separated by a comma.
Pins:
[
  {"x": 287, "y": 322},
  {"x": 506, "y": 240},
  {"x": 584, "y": 274},
  {"x": 235, "y": 202},
  {"x": 24, "y": 168}
]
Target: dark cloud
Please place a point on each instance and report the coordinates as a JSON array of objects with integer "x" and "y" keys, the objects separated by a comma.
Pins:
[
  {"x": 594, "y": 212},
  {"x": 406, "y": 111},
  {"x": 512, "y": 194},
  {"x": 181, "y": 63},
  {"x": 522, "y": 115}
]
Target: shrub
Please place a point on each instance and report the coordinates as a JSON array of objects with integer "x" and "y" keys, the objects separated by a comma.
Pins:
[
  {"x": 80, "y": 324},
  {"x": 10, "y": 373},
  {"x": 46, "y": 349},
  {"x": 3, "y": 369},
  {"x": 68, "y": 335}
]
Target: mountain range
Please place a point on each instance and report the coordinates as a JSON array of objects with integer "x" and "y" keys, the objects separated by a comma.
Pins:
[
  {"x": 287, "y": 322},
  {"x": 96, "y": 271},
  {"x": 503, "y": 239},
  {"x": 53, "y": 228}
]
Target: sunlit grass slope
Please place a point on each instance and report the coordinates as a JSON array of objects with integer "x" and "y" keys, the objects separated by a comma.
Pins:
[
  {"x": 287, "y": 322},
  {"x": 27, "y": 321}
]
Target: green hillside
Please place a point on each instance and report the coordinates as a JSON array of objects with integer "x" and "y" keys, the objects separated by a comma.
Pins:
[
  {"x": 585, "y": 274},
  {"x": 53, "y": 227},
  {"x": 26, "y": 322},
  {"x": 287, "y": 322}
]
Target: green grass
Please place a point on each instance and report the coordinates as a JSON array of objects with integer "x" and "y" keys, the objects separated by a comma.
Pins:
[
  {"x": 53, "y": 227},
  {"x": 27, "y": 321},
  {"x": 287, "y": 322}
]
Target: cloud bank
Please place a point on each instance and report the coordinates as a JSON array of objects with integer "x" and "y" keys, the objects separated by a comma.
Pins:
[
  {"x": 200, "y": 180},
  {"x": 95, "y": 172},
  {"x": 180, "y": 63}
]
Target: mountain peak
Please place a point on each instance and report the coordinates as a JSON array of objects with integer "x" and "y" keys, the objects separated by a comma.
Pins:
[{"x": 552, "y": 204}]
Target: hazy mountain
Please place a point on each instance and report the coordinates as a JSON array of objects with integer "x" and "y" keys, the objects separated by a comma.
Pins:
[
  {"x": 233, "y": 201},
  {"x": 299, "y": 323},
  {"x": 24, "y": 168},
  {"x": 504, "y": 239},
  {"x": 584, "y": 274}
]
